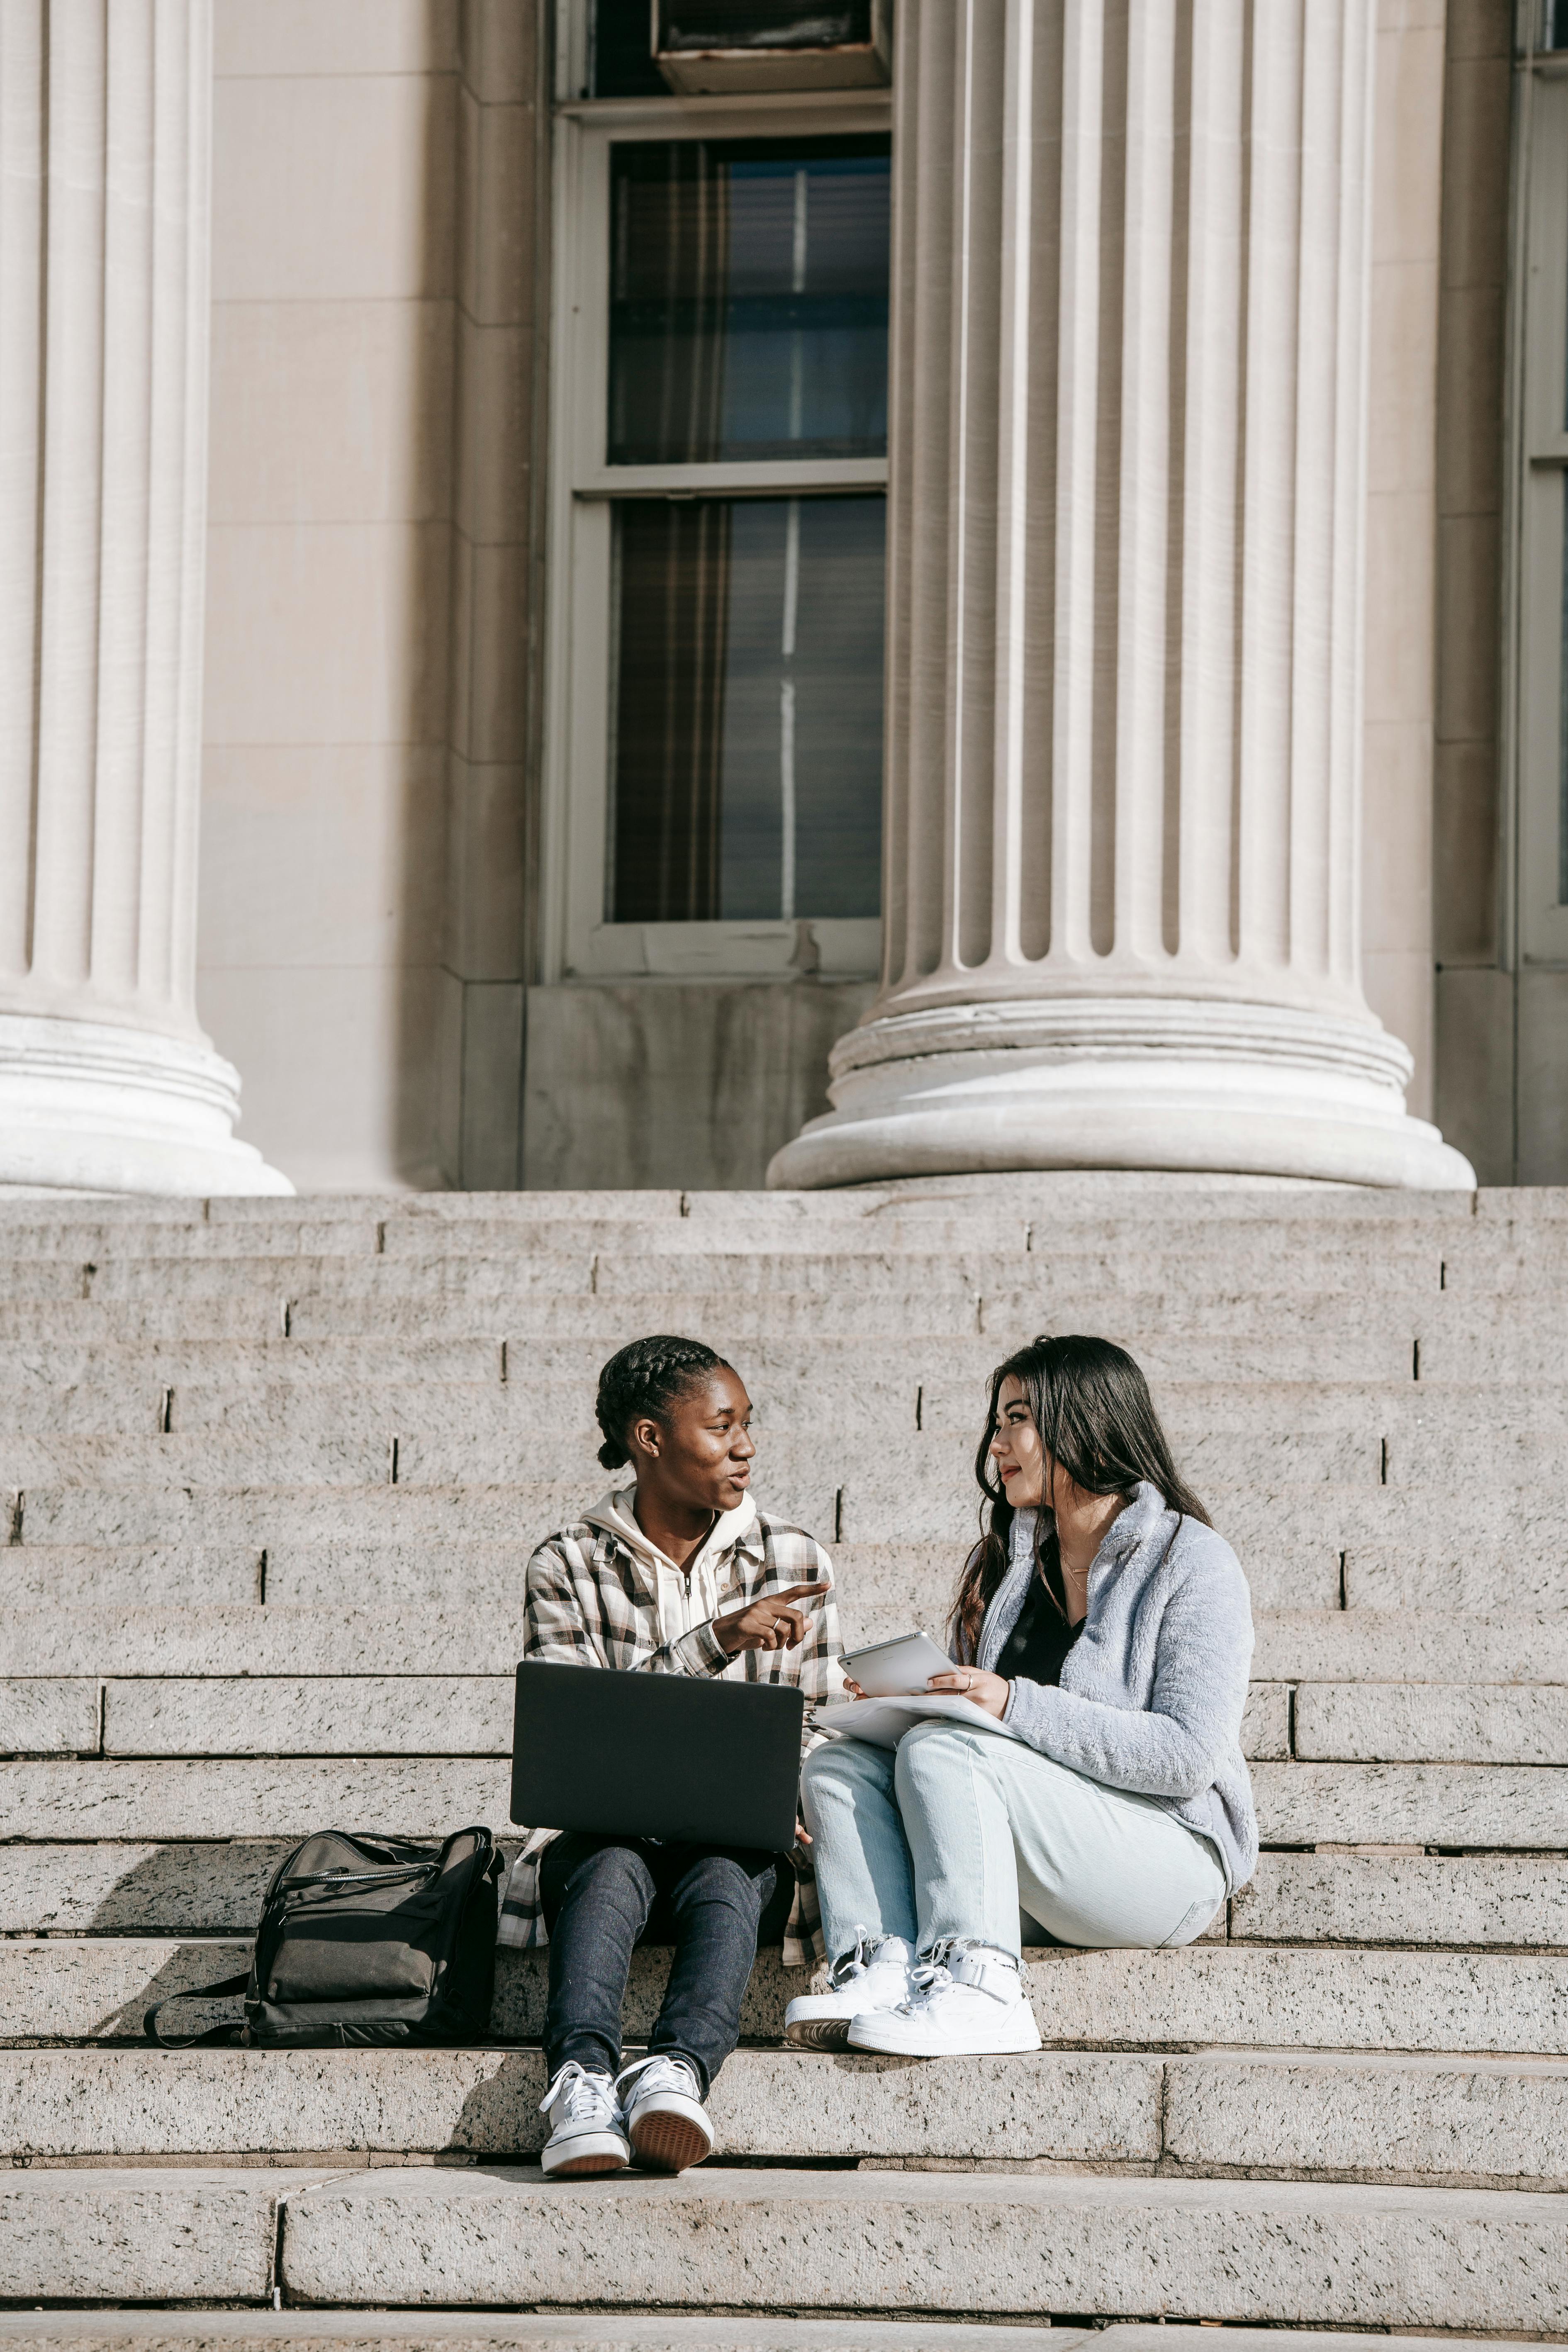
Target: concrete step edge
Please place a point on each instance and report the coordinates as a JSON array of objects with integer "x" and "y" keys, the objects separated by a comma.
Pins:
[
  {"x": 823, "y": 2242},
  {"x": 598, "y": 2331},
  {"x": 1452, "y": 2121}
]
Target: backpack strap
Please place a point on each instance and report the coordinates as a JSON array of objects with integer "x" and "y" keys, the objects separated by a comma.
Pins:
[{"x": 215, "y": 2033}]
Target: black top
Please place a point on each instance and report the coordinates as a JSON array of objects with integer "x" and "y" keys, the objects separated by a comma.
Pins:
[{"x": 1039, "y": 1643}]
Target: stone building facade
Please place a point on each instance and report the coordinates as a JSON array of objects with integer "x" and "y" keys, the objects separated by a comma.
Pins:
[{"x": 1222, "y": 436}]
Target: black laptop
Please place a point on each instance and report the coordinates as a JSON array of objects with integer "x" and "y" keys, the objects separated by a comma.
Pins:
[{"x": 663, "y": 1756}]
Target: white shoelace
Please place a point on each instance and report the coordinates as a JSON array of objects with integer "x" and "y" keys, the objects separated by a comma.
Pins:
[
  {"x": 658, "y": 2074},
  {"x": 583, "y": 2096},
  {"x": 856, "y": 1963},
  {"x": 933, "y": 1974}
]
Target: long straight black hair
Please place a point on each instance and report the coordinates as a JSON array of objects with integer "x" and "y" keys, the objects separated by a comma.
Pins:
[{"x": 1096, "y": 1418}]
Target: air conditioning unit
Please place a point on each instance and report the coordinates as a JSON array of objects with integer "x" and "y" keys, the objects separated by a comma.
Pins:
[{"x": 716, "y": 47}]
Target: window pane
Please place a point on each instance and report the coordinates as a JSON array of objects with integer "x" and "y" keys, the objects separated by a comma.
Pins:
[
  {"x": 620, "y": 52},
  {"x": 747, "y": 731},
  {"x": 749, "y": 300}
]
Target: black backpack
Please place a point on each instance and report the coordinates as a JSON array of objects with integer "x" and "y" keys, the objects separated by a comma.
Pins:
[{"x": 368, "y": 1940}]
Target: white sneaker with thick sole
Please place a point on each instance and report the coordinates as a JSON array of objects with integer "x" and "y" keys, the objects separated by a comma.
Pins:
[
  {"x": 877, "y": 1975},
  {"x": 587, "y": 2134},
  {"x": 969, "y": 2001},
  {"x": 667, "y": 2122}
]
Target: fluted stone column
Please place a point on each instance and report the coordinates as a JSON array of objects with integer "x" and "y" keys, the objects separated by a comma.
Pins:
[
  {"x": 1128, "y": 423},
  {"x": 105, "y": 1080}
]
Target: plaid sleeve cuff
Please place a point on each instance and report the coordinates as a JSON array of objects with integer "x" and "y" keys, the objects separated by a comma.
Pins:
[{"x": 700, "y": 1652}]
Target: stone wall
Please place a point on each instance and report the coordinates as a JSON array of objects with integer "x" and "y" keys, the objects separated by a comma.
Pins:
[
  {"x": 1475, "y": 1102},
  {"x": 330, "y": 546},
  {"x": 669, "y": 1083},
  {"x": 1397, "y": 900}
]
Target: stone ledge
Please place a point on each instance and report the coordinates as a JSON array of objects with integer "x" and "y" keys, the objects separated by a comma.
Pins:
[
  {"x": 1459, "y": 2122},
  {"x": 1506, "y": 1901},
  {"x": 1281, "y": 1529},
  {"x": 568, "y": 1262},
  {"x": 143, "y": 2236},
  {"x": 319, "y": 1715},
  {"x": 364, "y": 2331},
  {"x": 1228, "y": 1996},
  {"x": 598, "y": 2331},
  {"x": 1481, "y": 1806},
  {"x": 1502, "y": 1902},
  {"x": 878, "y": 2241},
  {"x": 1520, "y": 1650}
]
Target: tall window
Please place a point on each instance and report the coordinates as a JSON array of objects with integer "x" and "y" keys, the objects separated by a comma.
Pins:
[{"x": 719, "y": 526}]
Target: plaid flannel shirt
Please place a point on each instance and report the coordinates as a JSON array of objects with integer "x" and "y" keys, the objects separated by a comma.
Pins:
[{"x": 591, "y": 1601}]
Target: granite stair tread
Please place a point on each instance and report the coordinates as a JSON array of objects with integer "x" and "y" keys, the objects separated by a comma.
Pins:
[
  {"x": 1300, "y": 2253},
  {"x": 1445, "y": 2119},
  {"x": 359, "y": 2331},
  {"x": 1395, "y": 1646},
  {"x": 1372, "y": 1899},
  {"x": 97, "y": 1988},
  {"x": 108, "y": 2330},
  {"x": 1481, "y": 1806}
]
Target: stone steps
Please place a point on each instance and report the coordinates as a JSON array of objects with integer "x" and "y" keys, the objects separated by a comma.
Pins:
[
  {"x": 86, "y": 1989},
  {"x": 1299, "y": 1647},
  {"x": 1513, "y": 1902},
  {"x": 126, "y": 1402},
  {"x": 791, "y": 1467},
  {"x": 1460, "y": 1340},
  {"x": 219, "y": 1571},
  {"x": 237, "y": 2330},
  {"x": 960, "y": 1257},
  {"x": 1457, "y": 2122},
  {"x": 930, "y": 1464},
  {"x": 471, "y": 1715},
  {"x": 1481, "y": 1807},
  {"x": 1427, "y": 1900},
  {"x": 1290, "y": 1536},
  {"x": 1300, "y": 2253},
  {"x": 734, "y": 1223},
  {"x": 1462, "y": 1344},
  {"x": 1341, "y": 1266},
  {"x": 624, "y": 2331},
  {"x": 565, "y": 1370},
  {"x": 879, "y": 1583},
  {"x": 897, "y": 1307}
]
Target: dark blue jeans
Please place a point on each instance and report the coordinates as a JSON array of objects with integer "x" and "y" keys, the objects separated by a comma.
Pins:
[{"x": 603, "y": 1896}]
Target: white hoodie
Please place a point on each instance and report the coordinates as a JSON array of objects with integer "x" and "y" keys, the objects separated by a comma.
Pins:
[{"x": 706, "y": 1587}]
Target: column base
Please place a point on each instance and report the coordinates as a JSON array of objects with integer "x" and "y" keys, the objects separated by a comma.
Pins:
[
  {"x": 1181, "y": 1085},
  {"x": 89, "y": 1107}
]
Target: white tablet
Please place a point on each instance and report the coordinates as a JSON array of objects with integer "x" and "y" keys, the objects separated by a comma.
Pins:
[{"x": 892, "y": 1669}]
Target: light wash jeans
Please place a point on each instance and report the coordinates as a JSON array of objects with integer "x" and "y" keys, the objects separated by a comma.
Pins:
[{"x": 955, "y": 1832}]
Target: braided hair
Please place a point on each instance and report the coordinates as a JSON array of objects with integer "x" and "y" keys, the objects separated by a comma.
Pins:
[{"x": 646, "y": 1378}]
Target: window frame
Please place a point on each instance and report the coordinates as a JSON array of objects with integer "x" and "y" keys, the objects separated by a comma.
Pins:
[{"x": 577, "y": 940}]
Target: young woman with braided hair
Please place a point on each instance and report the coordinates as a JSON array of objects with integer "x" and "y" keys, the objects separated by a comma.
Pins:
[
  {"x": 1102, "y": 1622},
  {"x": 678, "y": 1572}
]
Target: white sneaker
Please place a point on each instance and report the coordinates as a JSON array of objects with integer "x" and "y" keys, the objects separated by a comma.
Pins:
[
  {"x": 587, "y": 2134},
  {"x": 667, "y": 2122},
  {"x": 875, "y": 1976},
  {"x": 969, "y": 2001}
]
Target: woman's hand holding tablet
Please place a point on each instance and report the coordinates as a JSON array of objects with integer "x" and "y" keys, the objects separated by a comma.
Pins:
[{"x": 896, "y": 1669}]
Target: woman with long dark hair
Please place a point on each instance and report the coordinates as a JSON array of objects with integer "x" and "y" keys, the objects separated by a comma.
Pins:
[{"x": 1103, "y": 1624}]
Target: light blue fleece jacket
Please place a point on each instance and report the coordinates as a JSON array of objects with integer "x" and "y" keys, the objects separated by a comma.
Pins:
[{"x": 1152, "y": 1690}]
